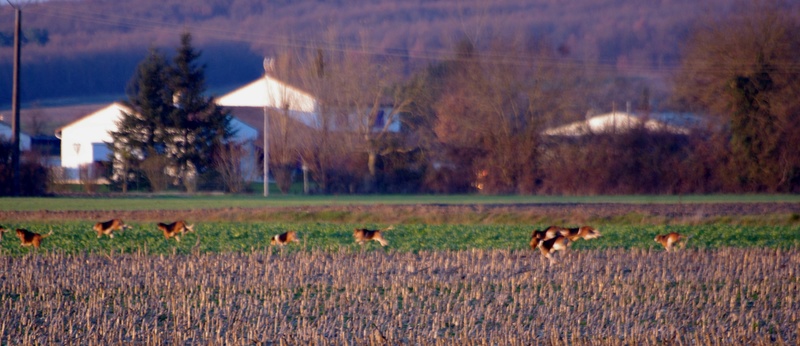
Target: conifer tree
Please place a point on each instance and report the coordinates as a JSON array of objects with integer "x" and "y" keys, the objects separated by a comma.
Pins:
[
  {"x": 141, "y": 132},
  {"x": 199, "y": 125},
  {"x": 171, "y": 120}
]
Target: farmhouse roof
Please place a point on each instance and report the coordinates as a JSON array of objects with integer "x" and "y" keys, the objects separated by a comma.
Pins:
[
  {"x": 242, "y": 130},
  {"x": 106, "y": 118},
  {"x": 114, "y": 109},
  {"x": 270, "y": 92}
]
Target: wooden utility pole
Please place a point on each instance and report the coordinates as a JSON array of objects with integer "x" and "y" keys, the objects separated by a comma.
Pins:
[{"x": 15, "y": 124}]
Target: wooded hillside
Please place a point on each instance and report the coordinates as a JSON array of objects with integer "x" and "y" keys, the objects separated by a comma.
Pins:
[{"x": 89, "y": 47}]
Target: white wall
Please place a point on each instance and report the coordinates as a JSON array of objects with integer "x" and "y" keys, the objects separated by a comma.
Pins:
[{"x": 84, "y": 141}]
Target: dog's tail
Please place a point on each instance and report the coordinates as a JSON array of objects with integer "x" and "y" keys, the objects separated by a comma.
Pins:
[
  {"x": 686, "y": 240},
  {"x": 189, "y": 228},
  {"x": 382, "y": 241},
  {"x": 48, "y": 234},
  {"x": 388, "y": 228}
]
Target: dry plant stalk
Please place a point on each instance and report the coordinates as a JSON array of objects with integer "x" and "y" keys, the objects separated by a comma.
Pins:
[{"x": 728, "y": 296}]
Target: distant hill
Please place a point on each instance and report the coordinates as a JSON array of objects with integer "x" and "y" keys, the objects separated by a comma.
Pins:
[{"x": 81, "y": 48}]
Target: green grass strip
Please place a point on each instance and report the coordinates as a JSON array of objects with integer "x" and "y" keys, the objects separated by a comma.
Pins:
[
  {"x": 221, "y": 237},
  {"x": 184, "y": 202}
]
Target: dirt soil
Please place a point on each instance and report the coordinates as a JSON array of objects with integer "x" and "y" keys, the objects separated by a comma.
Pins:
[{"x": 436, "y": 214}]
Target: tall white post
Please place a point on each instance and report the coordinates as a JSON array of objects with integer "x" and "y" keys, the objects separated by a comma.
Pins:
[
  {"x": 266, "y": 153},
  {"x": 267, "y": 63}
]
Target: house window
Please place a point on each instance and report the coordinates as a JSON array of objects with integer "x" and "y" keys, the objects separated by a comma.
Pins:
[
  {"x": 100, "y": 152},
  {"x": 380, "y": 119}
]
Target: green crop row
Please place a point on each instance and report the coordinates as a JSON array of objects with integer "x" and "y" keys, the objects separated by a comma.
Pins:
[{"x": 220, "y": 237}]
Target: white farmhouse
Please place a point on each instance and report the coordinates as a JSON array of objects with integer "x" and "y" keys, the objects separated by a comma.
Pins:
[
  {"x": 269, "y": 92},
  {"x": 85, "y": 141}
]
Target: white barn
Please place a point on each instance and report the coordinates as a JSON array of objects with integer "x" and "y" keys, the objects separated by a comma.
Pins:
[
  {"x": 615, "y": 122},
  {"x": 84, "y": 141}
]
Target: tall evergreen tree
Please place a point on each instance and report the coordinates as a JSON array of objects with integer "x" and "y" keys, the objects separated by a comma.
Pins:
[
  {"x": 141, "y": 132},
  {"x": 199, "y": 125},
  {"x": 171, "y": 120}
]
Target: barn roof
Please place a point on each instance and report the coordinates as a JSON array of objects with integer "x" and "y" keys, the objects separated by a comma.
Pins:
[{"x": 615, "y": 122}]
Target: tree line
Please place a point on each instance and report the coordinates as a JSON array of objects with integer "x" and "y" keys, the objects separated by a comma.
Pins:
[{"x": 474, "y": 122}]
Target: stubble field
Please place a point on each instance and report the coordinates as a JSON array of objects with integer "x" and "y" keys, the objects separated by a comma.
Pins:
[
  {"x": 729, "y": 296},
  {"x": 445, "y": 283}
]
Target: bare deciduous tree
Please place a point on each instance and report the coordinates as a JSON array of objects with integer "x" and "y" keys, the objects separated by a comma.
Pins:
[
  {"x": 743, "y": 67},
  {"x": 493, "y": 111},
  {"x": 318, "y": 147},
  {"x": 371, "y": 101},
  {"x": 286, "y": 130},
  {"x": 229, "y": 163}
]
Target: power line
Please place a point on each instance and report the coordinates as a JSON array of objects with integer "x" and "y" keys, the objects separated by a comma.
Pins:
[{"x": 270, "y": 39}]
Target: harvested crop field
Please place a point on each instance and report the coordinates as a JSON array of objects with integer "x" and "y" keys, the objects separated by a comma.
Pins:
[
  {"x": 452, "y": 274},
  {"x": 725, "y": 296}
]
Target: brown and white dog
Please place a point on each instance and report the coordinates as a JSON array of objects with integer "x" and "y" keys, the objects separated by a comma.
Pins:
[
  {"x": 549, "y": 247},
  {"x": 29, "y": 238},
  {"x": 363, "y": 235},
  {"x": 284, "y": 238},
  {"x": 670, "y": 239},
  {"x": 175, "y": 229},
  {"x": 109, "y": 227},
  {"x": 573, "y": 234},
  {"x": 538, "y": 236}
]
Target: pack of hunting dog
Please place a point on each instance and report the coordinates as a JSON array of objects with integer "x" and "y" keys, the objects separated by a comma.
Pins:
[{"x": 548, "y": 240}]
